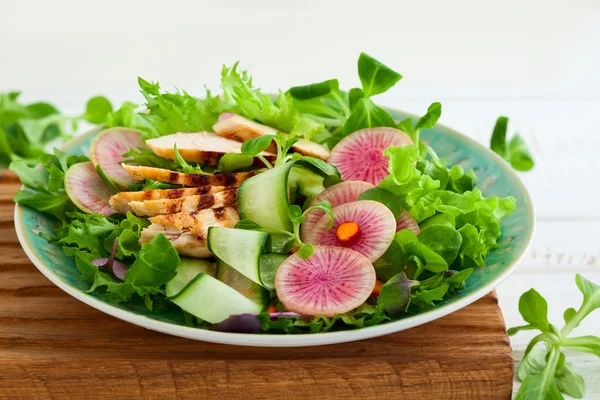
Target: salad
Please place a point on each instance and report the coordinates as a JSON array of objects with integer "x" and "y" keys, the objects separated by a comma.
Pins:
[{"x": 311, "y": 211}]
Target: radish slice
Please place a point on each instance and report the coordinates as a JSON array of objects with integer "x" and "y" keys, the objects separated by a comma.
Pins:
[
  {"x": 342, "y": 193},
  {"x": 359, "y": 156},
  {"x": 406, "y": 221},
  {"x": 107, "y": 151},
  {"x": 87, "y": 190},
  {"x": 332, "y": 281},
  {"x": 376, "y": 223}
]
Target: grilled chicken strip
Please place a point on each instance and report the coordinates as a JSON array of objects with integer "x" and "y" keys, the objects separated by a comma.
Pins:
[
  {"x": 185, "y": 204},
  {"x": 188, "y": 231},
  {"x": 202, "y": 147},
  {"x": 120, "y": 201},
  {"x": 236, "y": 127},
  {"x": 179, "y": 178}
]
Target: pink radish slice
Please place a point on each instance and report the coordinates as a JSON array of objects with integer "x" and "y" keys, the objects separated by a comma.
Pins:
[
  {"x": 342, "y": 193},
  {"x": 107, "y": 151},
  {"x": 332, "y": 281},
  {"x": 376, "y": 222},
  {"x": 87, "y": 190},
  {"x": 406, "y": 221},
  {"x": 359, "y": 156},
  {"x": 225, "y": 116}
]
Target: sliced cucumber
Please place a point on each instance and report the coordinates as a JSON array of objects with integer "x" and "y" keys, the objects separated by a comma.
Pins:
[
  {"x": 213, "y": 301},
  {"x": 231, "y": 277},
  {"x": 187, "y": 270},
  {"x": 280, "y": 243},
  {"x": 269, "y": 264},
  {"x": 264, "y": 197},
  {"x": 305, "y": 182},
  {"x": 238, "y": 248}
]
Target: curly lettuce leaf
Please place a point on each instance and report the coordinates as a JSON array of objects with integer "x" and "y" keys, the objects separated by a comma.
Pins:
[
  {"x": 176, "y": 112},
  {"x": 425, "y": 187},
  {"x": 282, "y": 114}
]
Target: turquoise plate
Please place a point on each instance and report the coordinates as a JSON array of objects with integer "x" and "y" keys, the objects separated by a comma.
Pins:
[{"x": 495, "y": 178}]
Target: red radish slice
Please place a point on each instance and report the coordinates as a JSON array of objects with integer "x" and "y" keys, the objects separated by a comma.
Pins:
[
  {"x": 87, "y": 190},
  {"x": 332, "y": 281},
  {"x": 406, "y": 221},
  {"x": 359, "y": 156},
  {"x": 342, "y": 193},
  {"x": 377, "y": 227},
  {"x": 225, "y": 116},
  {"x": 107, "y": 151}
]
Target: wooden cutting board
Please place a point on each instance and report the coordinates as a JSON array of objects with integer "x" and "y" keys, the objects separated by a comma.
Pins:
[{"x": 53, "y": 346}]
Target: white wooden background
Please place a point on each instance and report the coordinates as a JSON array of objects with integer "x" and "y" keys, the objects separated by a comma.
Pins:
[{"x": 535, "y": 61}]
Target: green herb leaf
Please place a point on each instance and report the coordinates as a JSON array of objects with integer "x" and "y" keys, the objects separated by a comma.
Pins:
[
  {"x": 52, "y": 204},
  {"x": 55, "y": 179},
  {"x": 146, "y": 157},
  {"x": 31, "y": 177},
  {"x": 128, "y": 116},
  {"x": 394, "y": 296},
  {"x": 516, "y": 152},
  {"x": 354, "y": 95},
  {"x": 295, "y": 214},
  {"x": 231, "y": 162},
  {"x": 111, "y": 185},
  {"x": 97, "y": 110},
  {"x": 183, "y": 165},
  {"x": 534, "y": 309},
  {"x": 570, "y": 382},
  {"x": 434, "y": 111},
  {"x": 375, "y": 77},
  {"x": 324, "y": 206},
  {"x": 520, "y": 158},
  {"x": 175, "y": 112},
  {"x": 585, "y": 344},
  {"x": 314, "y": 90},
  {"x": 306, "y": 250},
  {"x": 569, "y": 314},
  {"x": 154, "y": 266},
  {"x": 367, "y": 115},
  {"x": 498, "y": 141},
  {"x": 591, "y": 295},
  {"x": 384, "y": 197},
  {"x": 255, "y": 146},
  {"x": 443, "y": 239}
]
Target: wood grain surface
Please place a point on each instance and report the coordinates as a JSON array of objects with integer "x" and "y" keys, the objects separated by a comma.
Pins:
[{"x": 53, "y": 346}]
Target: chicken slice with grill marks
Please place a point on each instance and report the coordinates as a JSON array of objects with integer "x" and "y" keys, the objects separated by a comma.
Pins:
[
  {"x": 201, "y": 147},
  {"x": 188, "y": 231},
  {"x": 139, "y": 173},
  {"x": 120, "y": 201},
  {"x": 188, "y": 204}
]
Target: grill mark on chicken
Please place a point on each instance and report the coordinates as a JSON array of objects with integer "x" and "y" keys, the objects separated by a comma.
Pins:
[
  {"x": 199, "y": 179},
  {"x": 120, "y": 201},
  {"x": 219, "y": 213},
  {"x": 206, "y": 201},
  {"x": 184, "y": 204},
  {"x": 163, "y": 175},
  {"x": 175, "y": 193}
]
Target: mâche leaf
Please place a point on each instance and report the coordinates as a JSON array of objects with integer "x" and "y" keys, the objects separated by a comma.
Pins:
[
  {"x": 515, "y": 151},
  {"x": 375, "y": 77},
  {"x": 394, "y": 296},
  {"x": 545, "y": 373}
]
